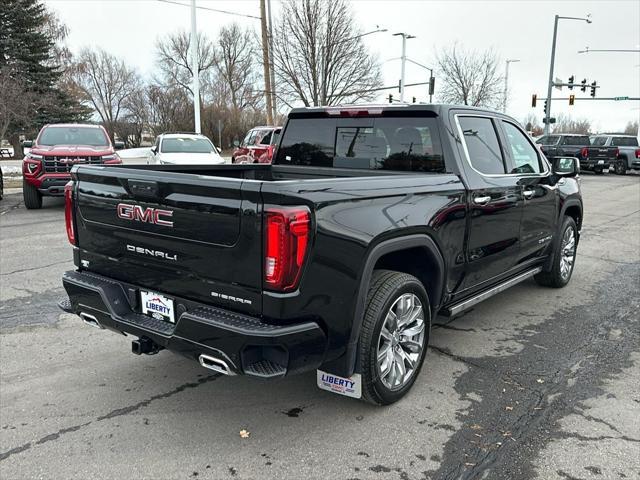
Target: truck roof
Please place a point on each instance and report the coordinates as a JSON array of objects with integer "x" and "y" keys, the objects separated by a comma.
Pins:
[
  {"x": 73, "y": 125},
  {"x": 438, "y": 109}
]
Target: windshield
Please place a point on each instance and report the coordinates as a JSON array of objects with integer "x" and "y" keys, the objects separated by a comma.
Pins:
[
  {"x": 598, "y": 141},
  {"x": 576, "y": 140},
  {"x": 186, "y": 145},
  {"x": 624, "y": 141},
  {"x": 373, "y": 143},
  {"x": 91, "y": 136}
]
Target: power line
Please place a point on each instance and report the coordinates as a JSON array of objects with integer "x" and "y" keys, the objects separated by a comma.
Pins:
[{"x": 227, "y": 12}]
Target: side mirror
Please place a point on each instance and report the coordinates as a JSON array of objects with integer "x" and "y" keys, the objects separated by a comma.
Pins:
[
  {"x": 118, "y": 145},
  {"x": 566, "y": 166},
  {"x": 236, "y": 143},
  {"x": 27, "y": 144},
  {"x": 154, "y": 149}
]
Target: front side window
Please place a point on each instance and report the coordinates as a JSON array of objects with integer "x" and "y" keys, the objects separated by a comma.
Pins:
[
  {"x": 524, "y": 155},
  {"x": 90, "y": 136},
  {"x": 186, "y": 145},
  {"x": 482, "y": 144}
]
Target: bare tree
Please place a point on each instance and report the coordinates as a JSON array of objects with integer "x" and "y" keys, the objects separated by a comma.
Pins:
[
  {"x": 18, "y": 104},
  {"x": 319, "y": 58},
  {"x": 175, "y": 61},
  {"x": 567, "y": 124},
  {"x": 470, "y": 77},
  {"x": 168, "y": 109},
  {"x": 235, "y": 67},
  {"x": 106, "y": 83},
  {"x": 631, "y": 128},
  {"x": 531, "y": 124}
]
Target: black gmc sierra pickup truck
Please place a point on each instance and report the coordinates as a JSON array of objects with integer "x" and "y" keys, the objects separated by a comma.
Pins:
[{"x": 370, "y": 221}]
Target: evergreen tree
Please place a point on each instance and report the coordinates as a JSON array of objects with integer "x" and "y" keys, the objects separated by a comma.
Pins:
[{"x": 27, "y": 54}]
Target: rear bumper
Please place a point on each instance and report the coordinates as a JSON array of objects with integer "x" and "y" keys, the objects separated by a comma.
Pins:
[
  {"x": 589, "y": 164},
  {"x": 246, "y": 344}
]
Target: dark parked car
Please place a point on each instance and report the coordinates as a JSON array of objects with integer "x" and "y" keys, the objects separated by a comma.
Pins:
[
  {"x": 370, "y": 221},
  {"x": 628, "y": 150},
  {"x": 594, "y": 158},
  {"x": 258, "y": 146},
  {"x": 47, "y": 167}
]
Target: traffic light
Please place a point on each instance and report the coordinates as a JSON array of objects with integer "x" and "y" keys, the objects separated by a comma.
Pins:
[
  {"x": 584, "y": 85},
  {"x": 534, "y": 100},
  {"x": 571, "y": 79},
  {"x": 432, "y": 85},
  {"x": 545, "y": 106},
  {"x": 593, "y": 89},
  {"x": 414, "y": 99},
  {"x": 390, "y": 98},
  {"x": 572, "y": 99}
]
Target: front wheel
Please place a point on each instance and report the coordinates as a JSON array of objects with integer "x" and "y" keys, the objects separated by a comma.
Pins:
[
  {"x": 394, "y": 337},
  {"x": 564, "y": 257},
  {"x": 32, "y": 197}
]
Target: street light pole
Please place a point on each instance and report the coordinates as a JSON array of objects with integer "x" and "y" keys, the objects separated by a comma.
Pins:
[
  {"x": 403, "y": 62},
  {"x": 547, "y": 113},
  {"x": 506, "y": 82},
  {"x": 194, "y": 69}
]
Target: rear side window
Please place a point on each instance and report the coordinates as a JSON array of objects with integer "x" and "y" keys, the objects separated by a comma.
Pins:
[
  {"x": 266, "y": 137},
  {"x": 482, "y": 144},
  {"x": 380, "y": 143},
  {"x": 624, "y": 142}
]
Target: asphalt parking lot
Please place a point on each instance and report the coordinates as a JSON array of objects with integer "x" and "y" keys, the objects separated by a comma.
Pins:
[{"x": 532, "y": 384}]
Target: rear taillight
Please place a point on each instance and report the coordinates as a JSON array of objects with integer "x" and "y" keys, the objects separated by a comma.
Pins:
[
  {"x": 287, "y": 234},
  {"x": 617, "y": 152},
  {"x": 638, "y": 153},
  {"x": 584, "y": 153},
  {"x": 68, "y": 212}
]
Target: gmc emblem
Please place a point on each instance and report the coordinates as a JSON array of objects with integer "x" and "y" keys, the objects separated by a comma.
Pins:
[{"x": 141, "y": 214}]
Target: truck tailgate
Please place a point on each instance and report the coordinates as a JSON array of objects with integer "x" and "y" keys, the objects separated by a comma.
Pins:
[{"x": 181, "y": 234}]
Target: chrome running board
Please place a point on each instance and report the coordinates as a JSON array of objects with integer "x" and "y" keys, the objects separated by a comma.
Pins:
[{"x": 470, "y": 302}]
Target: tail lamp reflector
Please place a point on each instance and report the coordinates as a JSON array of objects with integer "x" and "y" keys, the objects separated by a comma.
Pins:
[
  {"x": 286, "y": 241},
  {"x": 68, "y": 212}
]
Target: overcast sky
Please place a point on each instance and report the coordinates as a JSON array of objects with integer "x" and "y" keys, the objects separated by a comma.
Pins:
[{"x": 515, "y": 29}]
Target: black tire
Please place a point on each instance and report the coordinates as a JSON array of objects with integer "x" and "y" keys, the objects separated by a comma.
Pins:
[
  {"x": 621, "y": 167},
  {"x": 386, "y": 287},
  {"x": 598, "y": 171},
  {"x": 32, "y": 197},
  {"x": 554, "y": 277}
]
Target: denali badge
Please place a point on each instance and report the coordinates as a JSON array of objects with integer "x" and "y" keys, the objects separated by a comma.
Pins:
[
  {"x": 152, "y": 253},
  {"x": 141, "y": 214}
]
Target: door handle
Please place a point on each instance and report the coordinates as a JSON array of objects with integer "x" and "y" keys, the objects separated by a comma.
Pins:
[
  {"x": 481, "y": 200},
  {"x": 528, "y": 194}
]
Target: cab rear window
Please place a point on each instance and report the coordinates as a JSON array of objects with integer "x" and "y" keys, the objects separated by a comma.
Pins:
[{"x": 372, "y": 143}]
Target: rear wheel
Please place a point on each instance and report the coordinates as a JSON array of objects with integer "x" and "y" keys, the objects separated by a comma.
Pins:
[
  {"x": 621, "y": 167},
  {"x": 598, "y": 171},
  {"x": 394, "y": 337},
  {"x": 564, "y": 257},
  {"x": 32, "y": 197}
]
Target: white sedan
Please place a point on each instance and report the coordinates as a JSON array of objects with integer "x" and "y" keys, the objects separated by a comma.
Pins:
[{"x": 184, "y": 149}]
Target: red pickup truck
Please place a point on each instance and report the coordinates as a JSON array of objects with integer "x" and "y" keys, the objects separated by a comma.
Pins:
[{"x": 46, "y": 168}]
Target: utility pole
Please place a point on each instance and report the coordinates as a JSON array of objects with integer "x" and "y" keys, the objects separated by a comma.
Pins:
[
  {"x": 194, "y": 69},
  {"x": 271, "y": 68},
  {"x": 547, "y": 113},
  {"x": 265, "y": 60},
  {"x": 403, "y": 61},
  {"x": 506, "y": 82}
]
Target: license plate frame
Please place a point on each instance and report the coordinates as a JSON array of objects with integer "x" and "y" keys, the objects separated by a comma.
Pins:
[{"x": 158, "y": 306}]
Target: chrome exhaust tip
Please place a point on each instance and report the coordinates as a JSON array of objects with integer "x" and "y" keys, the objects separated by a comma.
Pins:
[
  {"x": 215, "y": 364},
  {"x": 90, "y": 320}
]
